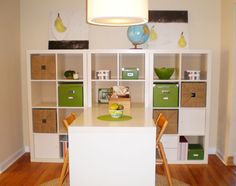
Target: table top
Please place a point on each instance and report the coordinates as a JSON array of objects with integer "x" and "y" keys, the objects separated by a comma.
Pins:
[{"x": 141, "y": 117}]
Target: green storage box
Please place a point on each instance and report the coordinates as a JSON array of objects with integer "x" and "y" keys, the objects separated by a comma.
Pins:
[
  {"x": 130, "y": 73},
  {"x": 166, "y": 95},
  {"x": 70, "y": 95},
  {"x": 195, "y": 152}
]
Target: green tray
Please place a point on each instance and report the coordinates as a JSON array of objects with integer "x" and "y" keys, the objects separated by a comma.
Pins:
[{"x": 108, "y": 117}]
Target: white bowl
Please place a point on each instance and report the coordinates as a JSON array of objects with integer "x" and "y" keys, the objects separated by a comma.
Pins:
[{"x": 116, "y": 113}]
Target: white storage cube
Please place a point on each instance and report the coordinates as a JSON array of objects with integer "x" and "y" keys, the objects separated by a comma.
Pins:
[
  {"x": 46, "y": 146},
  {"x": 171, "y": 154},
  {"x": 192, "y": 121},
  {"x": 169, "y": 141}
]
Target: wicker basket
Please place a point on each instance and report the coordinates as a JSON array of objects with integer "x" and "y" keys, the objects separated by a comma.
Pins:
[
  {"x": 43, "y": 67},
  {"x": 193, "y": 94},
  {"x": 44, "y": 120}
]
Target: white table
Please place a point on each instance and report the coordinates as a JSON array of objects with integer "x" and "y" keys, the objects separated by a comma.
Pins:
[{"x": 105, "y": 153}]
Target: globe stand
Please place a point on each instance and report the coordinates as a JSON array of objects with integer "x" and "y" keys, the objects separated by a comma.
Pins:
[{"x": 136, "y": 47}]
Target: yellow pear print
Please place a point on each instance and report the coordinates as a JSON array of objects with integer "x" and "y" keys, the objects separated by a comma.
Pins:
[
  {"x": 60, "y": 27},
  {"x": 153, "y": 34},
  {"x": 182, "y": 42}
]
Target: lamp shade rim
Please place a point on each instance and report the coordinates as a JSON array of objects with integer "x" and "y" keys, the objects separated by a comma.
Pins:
[{"x": 117, "y": 21}]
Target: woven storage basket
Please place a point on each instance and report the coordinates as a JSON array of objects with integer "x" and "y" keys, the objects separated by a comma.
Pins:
[
  {"x": 193, "y": 94},
  {"x": 44, "y": 120},
  {"x": 43, "y": 67}
]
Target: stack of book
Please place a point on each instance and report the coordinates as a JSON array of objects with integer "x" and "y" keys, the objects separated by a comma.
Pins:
[
  {"x": 183, "y": 148},
  {"x": 63, "y": 145}
]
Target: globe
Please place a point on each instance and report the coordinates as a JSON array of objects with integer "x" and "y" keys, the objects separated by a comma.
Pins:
[{"x": 138, "y": 34}]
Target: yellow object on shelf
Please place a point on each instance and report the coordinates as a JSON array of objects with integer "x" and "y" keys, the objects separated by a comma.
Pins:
[{"x": 123, "y": 101}]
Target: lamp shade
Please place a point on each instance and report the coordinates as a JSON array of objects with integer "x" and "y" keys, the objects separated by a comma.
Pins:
[{"x": 117, "y": 12}]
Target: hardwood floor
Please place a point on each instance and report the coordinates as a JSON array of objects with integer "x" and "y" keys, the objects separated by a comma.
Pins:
[{"x": 25, "y": 173}]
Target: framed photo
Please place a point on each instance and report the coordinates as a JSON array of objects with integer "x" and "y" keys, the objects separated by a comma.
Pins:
[{"x": 104, "y": 94}]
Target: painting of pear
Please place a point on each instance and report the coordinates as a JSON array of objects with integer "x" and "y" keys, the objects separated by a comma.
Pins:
[
  {"x": 153, "y": 34},
  {"x": 182, "y": 42}
]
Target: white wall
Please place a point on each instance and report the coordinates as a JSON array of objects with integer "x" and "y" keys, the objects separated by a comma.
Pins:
[
  {"x": 227, "y": 117},
  {"x": 11, "y": 138},
  {"x": 204, "y": 29}
]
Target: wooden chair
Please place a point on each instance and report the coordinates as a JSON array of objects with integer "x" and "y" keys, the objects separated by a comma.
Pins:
[
  {"x": 161, "y": 122},
  {"x": 65, "y": 169}
]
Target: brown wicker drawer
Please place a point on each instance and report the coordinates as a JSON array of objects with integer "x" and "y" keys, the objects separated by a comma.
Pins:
[
  {"x": 44, "y": 121},
  {"x": 193, "y": 94},
  {"x": 171, "y": 116},
  {"x": 43, "y": 67}
]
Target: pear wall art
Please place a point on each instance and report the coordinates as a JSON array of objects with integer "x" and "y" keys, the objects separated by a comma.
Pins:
[
  {"x": 168, "y": 30},
  {"x": 68, "y": 30}
]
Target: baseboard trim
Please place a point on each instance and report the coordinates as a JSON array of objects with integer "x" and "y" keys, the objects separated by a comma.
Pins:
[
  {"x": 27, "y": 149},
  {"x": 230, "y": 161},
  {"x": 9, "y": 161},
  {"x": 221, "y": 157},
  {"x": 212, "y": 150}
]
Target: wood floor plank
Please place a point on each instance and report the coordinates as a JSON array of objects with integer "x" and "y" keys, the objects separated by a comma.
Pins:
[{"x": 215, "y": 173}]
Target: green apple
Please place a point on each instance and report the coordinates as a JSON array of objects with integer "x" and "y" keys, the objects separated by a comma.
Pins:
[
  {"x": 114, "y": 106},
  {"x": 120, "y": 107}
]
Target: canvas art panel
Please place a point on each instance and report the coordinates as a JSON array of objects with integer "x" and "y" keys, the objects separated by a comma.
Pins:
[
  {"x": 168, "y": 30},
  {"x": 67, "y": 25}
]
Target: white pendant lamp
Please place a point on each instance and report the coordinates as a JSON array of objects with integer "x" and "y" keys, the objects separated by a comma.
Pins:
[{"x": 117, "y": 12}]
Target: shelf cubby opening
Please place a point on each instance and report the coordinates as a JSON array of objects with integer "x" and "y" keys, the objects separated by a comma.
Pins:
[
  {"x": 63, "y": 113},
  {"x": 43, "y": 94},
  {"x": 194, "y": 62},
  {"x": 67, "y": 62},
  {"x": 167, "y": 61},
  {"x": 100, "y": 91},
  {"x": 133, "y": 61},
  {"x": 137, "y": 91},
  {"x": 104, "y": 62}
]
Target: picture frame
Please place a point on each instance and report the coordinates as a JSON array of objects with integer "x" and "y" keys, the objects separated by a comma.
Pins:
[{"x": 103, "y": 95}]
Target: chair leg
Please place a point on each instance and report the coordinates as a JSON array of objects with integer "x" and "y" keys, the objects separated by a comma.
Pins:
[
  {"x": 65, "y": 169},
  {"x": 163, "y": 156}
]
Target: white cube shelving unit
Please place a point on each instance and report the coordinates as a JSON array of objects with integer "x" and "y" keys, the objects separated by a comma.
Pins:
[{"x": 192, "y": 122}]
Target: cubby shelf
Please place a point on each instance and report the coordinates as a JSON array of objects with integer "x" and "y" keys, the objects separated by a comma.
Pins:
[{"x": 43, "y": 92}]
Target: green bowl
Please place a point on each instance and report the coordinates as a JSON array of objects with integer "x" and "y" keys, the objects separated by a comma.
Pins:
[
  {"x": 164, "y": 73},
  {"x": 116, "y": 113}
]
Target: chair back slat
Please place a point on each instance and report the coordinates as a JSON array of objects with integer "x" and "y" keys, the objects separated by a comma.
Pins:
[
  {"x": 161, "y": 122},
  {"x": 68, "y": 120}
]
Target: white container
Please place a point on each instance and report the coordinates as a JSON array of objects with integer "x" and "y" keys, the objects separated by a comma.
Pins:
[
  {"x": 103, "y": 74},
  {"x": 192, "y": 74},
  {"x": 76, "y": 75}
]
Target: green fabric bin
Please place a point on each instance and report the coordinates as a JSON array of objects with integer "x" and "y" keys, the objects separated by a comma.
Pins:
[
  {"x": 70, "y": 95},
  {"x": 195, "y": 152},
  {"x": 166, "y": 95},
  {"x": 130, "y": 73}
]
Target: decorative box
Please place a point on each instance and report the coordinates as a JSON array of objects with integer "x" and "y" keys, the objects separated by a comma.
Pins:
[
  {"x": 193, "y": 94},
  {"x": 192, "y": 74},
  {"x": 195, "y": 152},
  {"x": 44, "y": 120},
  {"x": 43, "y": 67},
  {"x": 130, "y": 73},
  {"x": 165, "y": 95},
  {"x": 70, "y": 95},
  {"x": 103, "y": 74}
]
